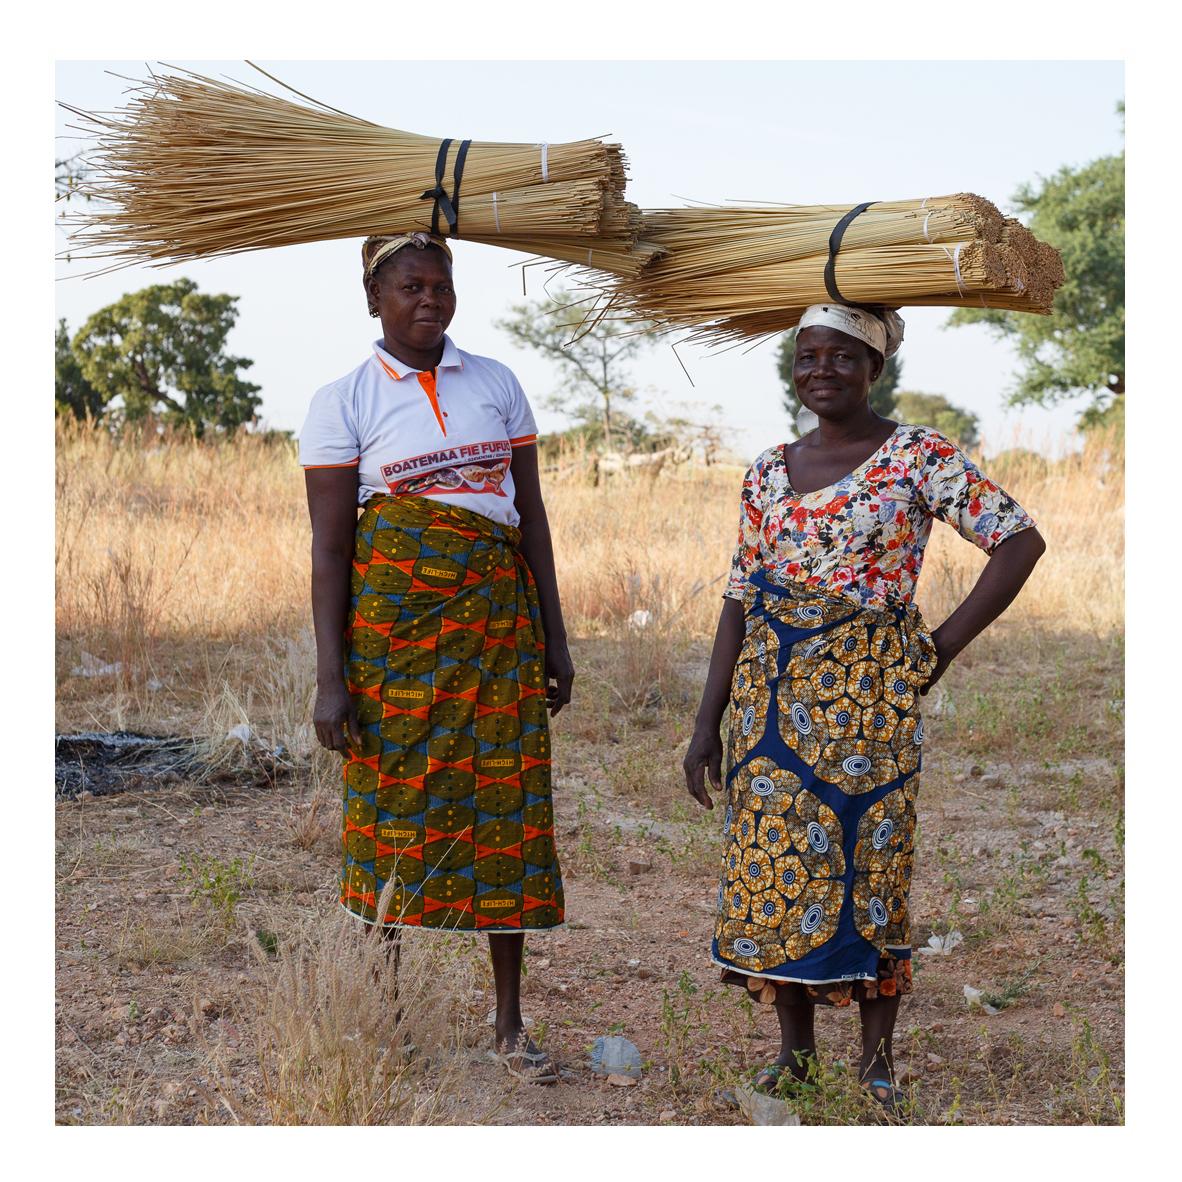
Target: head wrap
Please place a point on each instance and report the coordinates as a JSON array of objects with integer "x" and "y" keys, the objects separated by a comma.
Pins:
[
  {"x": 882, "y": 331},
  {"x": 379, "y": 247}
]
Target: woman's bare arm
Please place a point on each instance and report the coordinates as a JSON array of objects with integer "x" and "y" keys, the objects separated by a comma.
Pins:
[
  {"x": 332, "y": 505},
  {"x": 705, "y": 750},
  {"x": 1008, "y": 568},
  {"x": 538, "y": 551}
]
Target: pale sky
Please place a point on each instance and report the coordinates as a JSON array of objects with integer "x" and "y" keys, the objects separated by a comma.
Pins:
[{"x": 796, "y": 132}]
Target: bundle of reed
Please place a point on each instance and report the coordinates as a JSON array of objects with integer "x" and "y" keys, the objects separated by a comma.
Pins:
[
  {"x": 194, "y": 167},
  {"x": 739, "y": 272}
]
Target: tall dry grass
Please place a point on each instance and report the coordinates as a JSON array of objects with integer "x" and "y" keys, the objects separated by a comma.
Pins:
[
  {"x": 347, "y": 1034},
  {"x": 187, "y": 563}
]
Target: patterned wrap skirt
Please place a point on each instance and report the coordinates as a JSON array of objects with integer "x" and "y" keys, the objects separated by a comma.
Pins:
[
  {"x": 823, "y": 772},
  {"x": 448, "y": 819}
]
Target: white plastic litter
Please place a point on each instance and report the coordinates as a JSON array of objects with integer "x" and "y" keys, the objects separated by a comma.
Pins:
[
  {"x": 91, "y": 666},
  {"x": 977, "y": 1002},
  {"x": 764, "y": 1110},
  {"x": 941, "y": 945}
]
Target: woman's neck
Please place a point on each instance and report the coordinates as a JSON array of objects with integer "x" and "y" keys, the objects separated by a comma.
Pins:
[
  {"x": 857, "y": 426},
  {"x": 420, "y": 359}
]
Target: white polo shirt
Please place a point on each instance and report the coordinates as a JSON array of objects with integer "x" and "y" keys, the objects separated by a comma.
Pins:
[{"x": 448, "y": 434}]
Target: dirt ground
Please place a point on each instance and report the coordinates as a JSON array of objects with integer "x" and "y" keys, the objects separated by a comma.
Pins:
[{"x": 165, "y": 896}]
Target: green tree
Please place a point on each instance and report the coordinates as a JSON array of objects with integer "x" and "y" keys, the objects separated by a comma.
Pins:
[
  {"x": 882, "y": 393},
  {"x": 72, "y": 393},
  {"x": 1080, "y": 347},
  {"x": 597, "y": 391},
  {"x": 161, "y": 351},
  {"x": 934, "y": 410}
]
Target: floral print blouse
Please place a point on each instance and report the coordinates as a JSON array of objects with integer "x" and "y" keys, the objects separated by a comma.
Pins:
[{"x": 864, "y": 535}]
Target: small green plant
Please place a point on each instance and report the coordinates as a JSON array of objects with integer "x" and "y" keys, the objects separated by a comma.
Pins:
[
  {"x": 218, "y": 883},
  {"x": 1097, "y": 1090},
  {"x": 681, "y": 1019},
  {"x": 133, "y": 1011},
  {"x": 268, "y": 941},
  {"x": 1011, "y": 989},
  {"x": 1092, "y": 922}
]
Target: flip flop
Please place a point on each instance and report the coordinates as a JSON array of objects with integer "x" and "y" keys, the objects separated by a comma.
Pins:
[
  {"x": 776, "y": 1079},
  {"x": 530, "y": 1064},
  {"x": 893, "y": 1100}
]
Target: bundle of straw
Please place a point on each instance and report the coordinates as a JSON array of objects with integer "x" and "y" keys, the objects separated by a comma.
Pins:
[
  {"x": 737, "y": 272},
  {"x": 194, "y": 167}
]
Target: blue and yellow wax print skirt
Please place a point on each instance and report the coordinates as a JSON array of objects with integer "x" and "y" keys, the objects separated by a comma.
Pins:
[
  {"x": 448, "y": 821},
  {"x": 823, "y": 772}
]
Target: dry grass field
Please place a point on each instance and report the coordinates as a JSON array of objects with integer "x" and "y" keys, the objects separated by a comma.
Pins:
[{"x": 205, "y": 974}]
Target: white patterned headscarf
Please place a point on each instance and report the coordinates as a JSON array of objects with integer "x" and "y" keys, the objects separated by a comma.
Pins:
[
  {"x": 377, "y": 248},
  {"x": 884, "y": 332}
]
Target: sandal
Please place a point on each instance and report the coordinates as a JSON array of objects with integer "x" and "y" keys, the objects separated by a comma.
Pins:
[
  {"x": 529, "y": 1064},
  {"x": 776, "y": 1079},
  {"x": 893, "y": 1100}
]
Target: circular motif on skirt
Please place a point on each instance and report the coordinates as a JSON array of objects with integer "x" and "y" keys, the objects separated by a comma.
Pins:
[
  {"x": 805, "y": 651},
  {"x": 756, "y": 869},
  {"x": 883, "y": 833},
  {"x": 878, "y": 912},
  {"x": 811, "y": 920},
  {"x": 762, "y": 788},
  {"x": 748, "y": 720},
  {"x": 744, "y": 828},
  {"x": 809, "y": 612},
  {"x": 744, "y": 947},
  {"x": 773, "y": 835},
  {"x": 817, "y": 837},
  {"x": 917, "y": 738},
  {"x": 767, "y": 908},
  {"x": 856, "y": 765},
  {"x": 736, "y": 900},
  {"x": 789, "y": 876},
  {"x": 801, "y": 719}
]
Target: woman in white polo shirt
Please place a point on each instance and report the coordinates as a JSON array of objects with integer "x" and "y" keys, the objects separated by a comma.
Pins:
[{"x": 433, "y": 677}]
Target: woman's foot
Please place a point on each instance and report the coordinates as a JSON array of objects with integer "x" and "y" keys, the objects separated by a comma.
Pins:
[
  {"x": 791, "y": 1073},
  {"x": 893, "y": 1100},
  {"x": 524, "y": 1059},
  {"x": 777, "y": 1079}
]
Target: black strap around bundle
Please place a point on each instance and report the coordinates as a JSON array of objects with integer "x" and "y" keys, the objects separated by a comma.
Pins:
[
  {"x": 835, "y": 245},
  {"x": 449, "y": 203}
]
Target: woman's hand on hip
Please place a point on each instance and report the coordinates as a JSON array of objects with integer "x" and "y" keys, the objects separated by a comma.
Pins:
[
  {"x": 335, "y": 718},
  {"x": 946, "y": 653},
  {"x": 560, "y": 676},
  {"x": 704, "y": 758}
]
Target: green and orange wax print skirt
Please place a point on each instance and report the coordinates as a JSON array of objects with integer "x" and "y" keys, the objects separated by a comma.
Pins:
[
  {"x": 823, "y": 773},
  {"x": 448, "y": 818}
]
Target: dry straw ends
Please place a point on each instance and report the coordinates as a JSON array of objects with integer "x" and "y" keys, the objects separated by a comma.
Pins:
[
  {"x": 194, "y": 167},
  {"x": 741, "y": 272}
]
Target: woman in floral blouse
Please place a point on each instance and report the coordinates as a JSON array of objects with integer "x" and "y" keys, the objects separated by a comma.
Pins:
[{"x": 822, "y": 655}]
